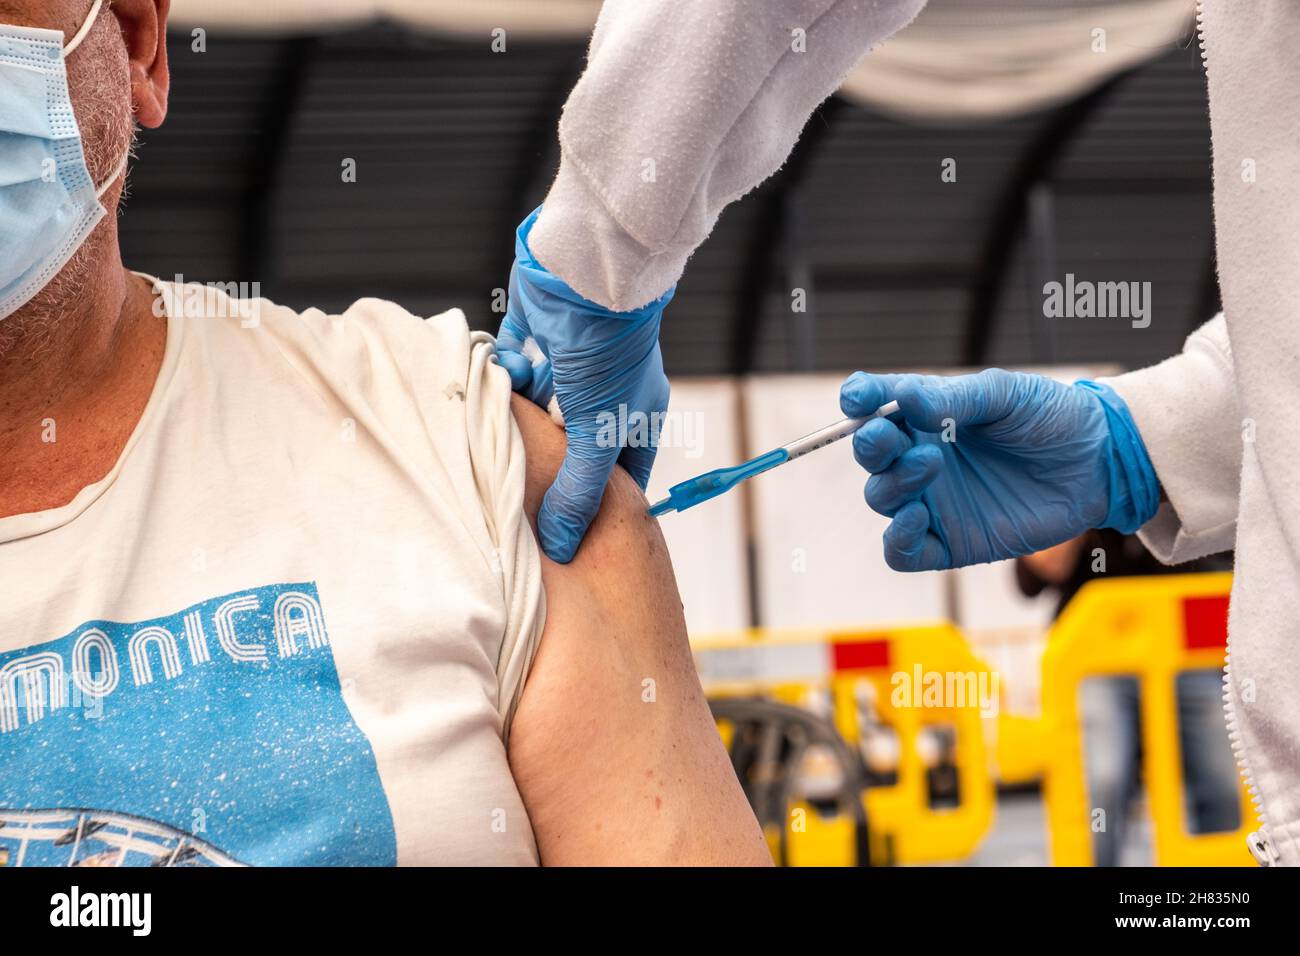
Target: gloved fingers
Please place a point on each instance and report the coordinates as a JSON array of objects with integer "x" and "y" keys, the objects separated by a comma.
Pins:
[
  {"x": 862, "y": 393},
  {"x": 514, "y": 332},
  {"x": 653, "y": 394},
  {"x": 520, "y": 369},
  {"x": 541, "y": 390},
  {"x": 510, "y": 352},
  {"x": 910, "y": 545},
  {"x": 572, "y": 501},
  {"x": 531, "y": 372},
  {"x": 932, "y": 403},
  {"x": 639, "y": 461},
  {"x": 878, "y": 444},
  {"x": 888, "y": 491}
]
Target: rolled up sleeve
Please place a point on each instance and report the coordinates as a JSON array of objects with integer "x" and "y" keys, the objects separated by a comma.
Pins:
[{"x": 1187, "y": 412}]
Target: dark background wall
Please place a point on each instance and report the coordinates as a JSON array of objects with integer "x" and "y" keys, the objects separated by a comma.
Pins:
[{"x": 454, "y": 144}]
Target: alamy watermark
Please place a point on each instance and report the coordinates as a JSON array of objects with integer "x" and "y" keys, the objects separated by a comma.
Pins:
[
  {"x": 635, "y": 429},
  {"x": 133, "y": 911},
  {"x": 948, "y": 690},
  {"x": 1082, "y": 299},
  {"x": 212, "y": 300}
]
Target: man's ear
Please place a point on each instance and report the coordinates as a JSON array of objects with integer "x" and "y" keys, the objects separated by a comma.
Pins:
[{"x": 144, "y": 28}]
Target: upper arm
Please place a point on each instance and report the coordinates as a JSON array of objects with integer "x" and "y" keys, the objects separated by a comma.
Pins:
[{"x": 613, "y": 748}]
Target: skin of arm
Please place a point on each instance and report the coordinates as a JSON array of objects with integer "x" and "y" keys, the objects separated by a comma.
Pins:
[{"x": 612, "y": 769}]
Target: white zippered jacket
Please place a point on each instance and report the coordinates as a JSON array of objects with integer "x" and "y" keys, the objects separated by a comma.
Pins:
[
  {"x": 686, "y": 105},
  {"x": 1220, "y": 420}
]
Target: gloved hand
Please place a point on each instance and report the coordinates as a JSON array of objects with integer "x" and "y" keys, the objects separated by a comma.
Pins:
[
  {"x": 979, "y": 468},
  {"x": 603, "y": 369}
]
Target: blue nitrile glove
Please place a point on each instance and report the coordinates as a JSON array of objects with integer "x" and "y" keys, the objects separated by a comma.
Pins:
[
  {"x": 605, "y": 371},
  {"x": 979, "y": 468}
]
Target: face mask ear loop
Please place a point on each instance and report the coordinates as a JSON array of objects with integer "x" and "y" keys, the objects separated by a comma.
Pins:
[
  {"x": 117, "y": 174},
  {"x": 85, "y": 29},
  {"x": 68, "y": 50}
]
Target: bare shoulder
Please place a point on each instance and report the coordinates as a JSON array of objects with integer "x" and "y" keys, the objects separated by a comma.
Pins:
[
  {"x": 622, "y": 518},
  {"x": 613, "y": 747}
]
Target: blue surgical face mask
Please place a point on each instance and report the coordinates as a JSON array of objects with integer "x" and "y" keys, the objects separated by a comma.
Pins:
[{"x": 49, "y": 204}]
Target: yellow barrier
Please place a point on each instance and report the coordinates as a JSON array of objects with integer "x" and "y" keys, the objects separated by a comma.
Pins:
[
  {"x": 1152, "y": 628},
  {"x": 1021, "y": 751},
  {"x": 923, "y": 676}
]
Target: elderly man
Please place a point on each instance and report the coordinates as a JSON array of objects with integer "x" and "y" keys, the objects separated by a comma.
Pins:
[{"x": 271, "y": 591}]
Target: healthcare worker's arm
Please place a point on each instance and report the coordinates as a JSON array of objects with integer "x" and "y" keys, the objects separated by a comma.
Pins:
[
  {"x": 685, "y": 106},
  {"x": 613, "y": 747},
  {"x": 980, "y": 468}
]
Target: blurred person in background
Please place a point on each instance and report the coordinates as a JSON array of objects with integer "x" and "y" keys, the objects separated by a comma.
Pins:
[{"x": 1110, "y": 706}]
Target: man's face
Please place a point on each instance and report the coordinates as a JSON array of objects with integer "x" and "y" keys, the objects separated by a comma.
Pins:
[
  {"x": 65, "y": 15},
  {"x": 99, "y": 80},
  {"x": 98, "y": 74}
]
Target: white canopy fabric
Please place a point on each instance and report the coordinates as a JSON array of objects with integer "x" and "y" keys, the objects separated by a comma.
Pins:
[
  {"x": 962, "y": 60},
  {"x": 544, "y": 18},
  {"x": 971, "y": 60}
]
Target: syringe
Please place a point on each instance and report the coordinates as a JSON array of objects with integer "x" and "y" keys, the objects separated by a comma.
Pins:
[{"x": 691, "y": 493}]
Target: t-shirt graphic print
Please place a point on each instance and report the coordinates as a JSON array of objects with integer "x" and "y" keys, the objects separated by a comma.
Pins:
[{"x": 215, "y": 736}]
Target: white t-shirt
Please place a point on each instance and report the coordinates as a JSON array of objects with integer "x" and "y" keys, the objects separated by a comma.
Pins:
[{"x": 291, "y": 626}]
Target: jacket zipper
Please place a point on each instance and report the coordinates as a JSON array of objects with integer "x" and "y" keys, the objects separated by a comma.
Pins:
[{"x": 1261, "y": 847}]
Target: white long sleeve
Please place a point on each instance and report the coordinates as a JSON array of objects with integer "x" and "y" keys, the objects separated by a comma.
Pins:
[
  {"x": 1187, "y": 413},
  {"x": 685, "y": 106}
]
